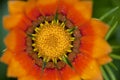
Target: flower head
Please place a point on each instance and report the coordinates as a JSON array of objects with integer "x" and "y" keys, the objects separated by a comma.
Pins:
[{"x": 54, "y": 40}]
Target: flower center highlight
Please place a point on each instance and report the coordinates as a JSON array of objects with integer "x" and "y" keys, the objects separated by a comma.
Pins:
[{"x": 52, "y": 41}]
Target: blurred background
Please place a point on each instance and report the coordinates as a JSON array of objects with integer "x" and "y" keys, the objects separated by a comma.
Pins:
[{"x": 100, "y": 8}]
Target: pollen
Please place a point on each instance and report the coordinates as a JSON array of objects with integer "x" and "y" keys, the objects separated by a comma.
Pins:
[{"x": 52, "y": 41}]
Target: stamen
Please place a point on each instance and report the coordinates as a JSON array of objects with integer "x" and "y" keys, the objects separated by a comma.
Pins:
[
  {"x": 71, "y": 30},
  {"x": 46, "y": 23},
  {"x": 35, "y": 49},
  {"x": 54, "y": 60},
  {"x": 63, "y": 25},
  {"x": 72, "y": 39},
  {"x": 33, "y": 44},
  {"x": 53, "y": 22},
  {"x": 57, "y": 22},
  {"x": 33, "y": 38},
  {"x": 37, "y": 29},
  {"x": 71, "y": 46},
  {"x": 45, "y": 59},
  {"x": 41, "y": 25},
  {"x": 33, "y": 35},
  {"x": 69, "y": 50},
  {"x": 39, "y": 55}
]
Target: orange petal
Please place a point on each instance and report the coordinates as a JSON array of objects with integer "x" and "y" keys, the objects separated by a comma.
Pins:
[
  {"x": 25, "y": 62},
  {"x": 35, "y": 72},
  {"x": 68, "y": 73},
  {"x": 32, "y": 0},
  {"x": 48, "y": 7},
  {"x": 104, "y": 60},
  {"x": 80, "y": 13},
  {"x": 16, "y": 21},
  {"x": 15, "y": 40},
  {"x": 87, "y": 67},
  {"x": 94, "y": 28},
  {"x": 94, "y": 46},
  {"x": 15, "y": 69},
  {"x": 50, "y": 74},
  {"x": 31, "y": 10},
  {"x": 16, "y": 6},
  {"x": 65, "y": 5},
  {"x": 6, "y": 57},
  {"x": 27, "y": 78},
  {"x": 28, "y": 64}
]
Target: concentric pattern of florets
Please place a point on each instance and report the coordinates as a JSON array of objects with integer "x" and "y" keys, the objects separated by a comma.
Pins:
[{"x": 53, "y": 40}]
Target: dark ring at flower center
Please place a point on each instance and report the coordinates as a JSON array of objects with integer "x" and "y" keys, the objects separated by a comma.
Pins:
[{"x": 49, "y": 40}]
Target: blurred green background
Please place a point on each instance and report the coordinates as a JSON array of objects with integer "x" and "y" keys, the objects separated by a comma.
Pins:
[{"x": 100, "y": 7}]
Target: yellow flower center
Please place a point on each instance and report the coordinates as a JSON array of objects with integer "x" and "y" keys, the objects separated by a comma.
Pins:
[{"x": 52, "y": 41}]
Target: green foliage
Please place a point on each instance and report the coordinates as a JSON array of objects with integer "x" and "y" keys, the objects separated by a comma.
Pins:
[{"x": 109, "y": 12}]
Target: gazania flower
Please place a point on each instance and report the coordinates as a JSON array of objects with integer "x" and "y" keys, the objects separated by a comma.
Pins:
[{"x": 54, "y": 40}]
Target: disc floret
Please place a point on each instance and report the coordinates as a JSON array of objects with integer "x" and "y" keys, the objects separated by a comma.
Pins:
[{"x": 52, "y": 41}]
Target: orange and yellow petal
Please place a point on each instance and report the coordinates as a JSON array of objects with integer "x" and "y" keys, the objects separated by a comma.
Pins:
[
  {"x": 27, "y": 78},
  {"x": 15, "y": 69},
  {"x": 31, "y": 10},
  {"x": 35, "y": 72},
  {"x": 65, "y": 5},
  {"x": 18, "y": 66},
  {"x": 77, "y": 11},
  {"x": 16, "y": 21},
  {"x": 6, "y": 57},
  {"x": 67, "y": 73},
  {"x": 94, "y": 46},
  {"x": 16, "y": 7},
  {"x": 94, "y": 28},
  {"x": 104, "y": 59},
  {"x": 31, "y": 68},
  {"x": 47, "y": 7},
  {"x": 15, "y": 40},
  {"x": 87, "y": 67},
  {"x": 80, "y": 13},
  {"x": 52, "y": 74},
  {"x": 93, "y": 68}
]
